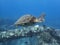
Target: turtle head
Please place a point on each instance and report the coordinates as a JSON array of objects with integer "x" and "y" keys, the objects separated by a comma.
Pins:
[{"x": 41, "y": 18}]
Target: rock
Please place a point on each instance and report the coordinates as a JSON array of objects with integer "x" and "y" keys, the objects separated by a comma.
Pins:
[{"x": 43, "y": 35}]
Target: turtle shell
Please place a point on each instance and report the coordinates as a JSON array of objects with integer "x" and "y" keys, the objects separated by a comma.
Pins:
[{"x": 24, "y": 19}]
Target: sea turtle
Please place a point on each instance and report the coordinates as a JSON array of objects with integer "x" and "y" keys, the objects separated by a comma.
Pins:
[{"x": 28, "y": 20}]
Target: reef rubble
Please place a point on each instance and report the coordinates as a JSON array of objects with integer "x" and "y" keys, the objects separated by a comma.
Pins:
[{"x": 44, "y": 34}]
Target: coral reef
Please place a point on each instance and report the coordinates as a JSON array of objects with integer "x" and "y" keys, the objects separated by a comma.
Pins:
[{"x": 33, "y": 35}]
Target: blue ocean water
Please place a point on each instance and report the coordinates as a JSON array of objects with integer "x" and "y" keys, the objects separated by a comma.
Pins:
[{"x": 11, "y": 10}]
